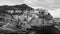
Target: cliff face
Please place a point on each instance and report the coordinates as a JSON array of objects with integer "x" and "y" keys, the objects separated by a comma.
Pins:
[
  {"x": 7, "y": 13},
  {"x": 15, "y": 21}
]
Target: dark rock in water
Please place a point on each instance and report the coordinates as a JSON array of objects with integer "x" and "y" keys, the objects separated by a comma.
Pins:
[
  {"x": 1, "y": 19},
  {"x": 1, "y": 24}
]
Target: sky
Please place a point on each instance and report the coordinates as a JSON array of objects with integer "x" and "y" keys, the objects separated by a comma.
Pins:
[
  {"x": 11, "y": 2},
  {"x": 45, "y": 3},
  {"x": 55, "y": 13},
  {"x": 53, "y": 6}
]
